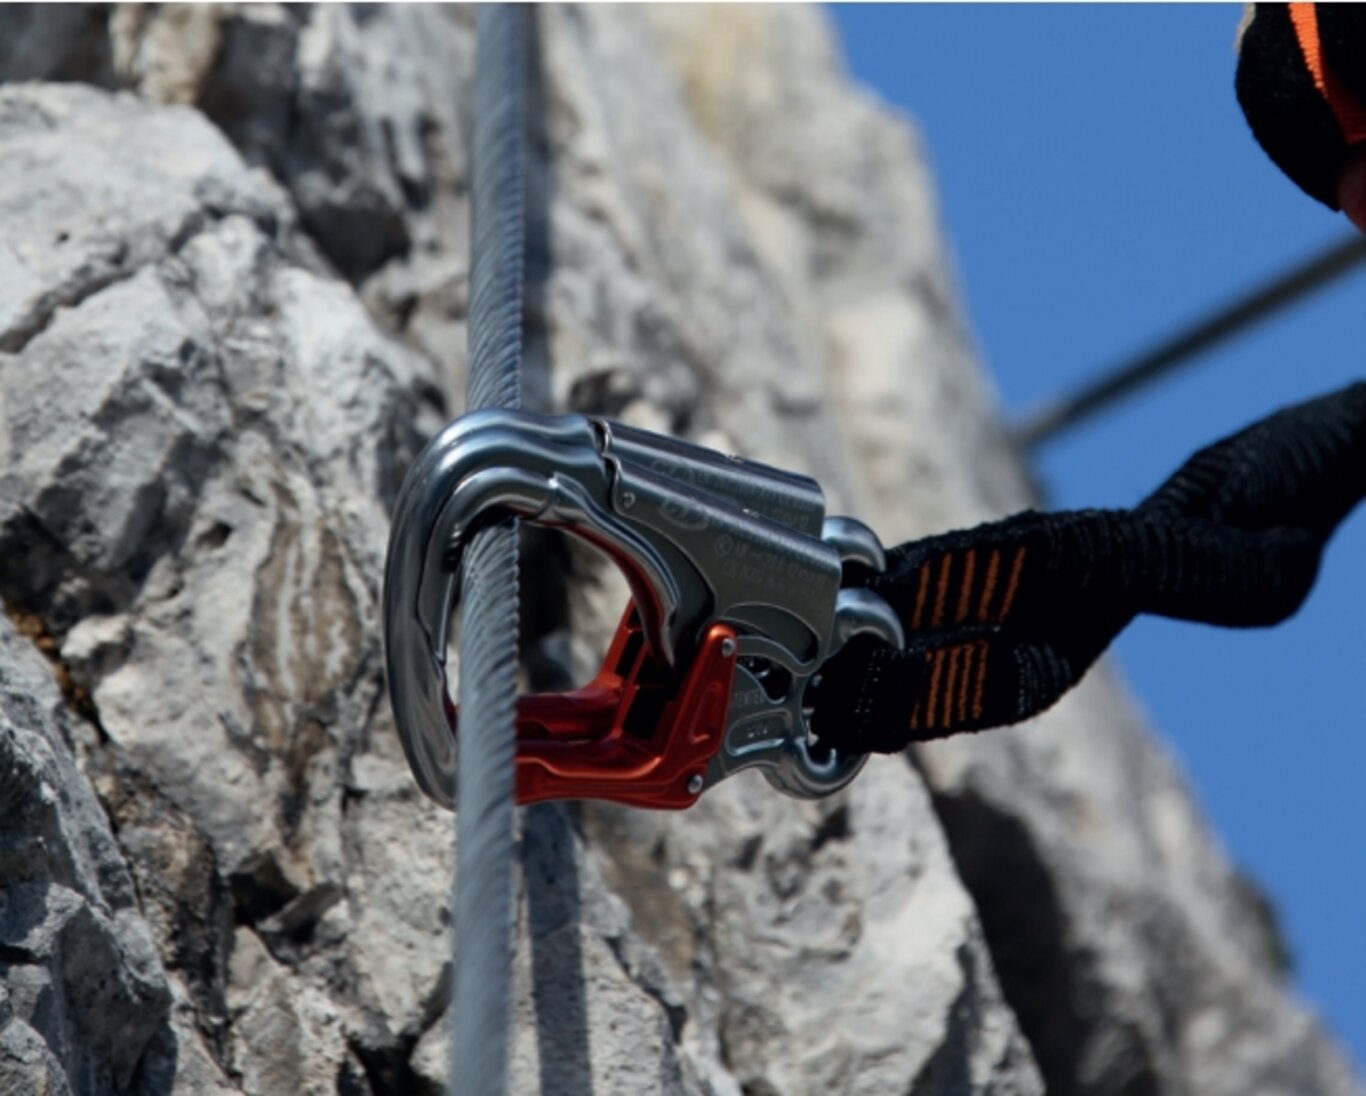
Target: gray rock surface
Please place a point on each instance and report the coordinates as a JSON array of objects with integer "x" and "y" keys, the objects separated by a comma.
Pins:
[
  {"x": 232, "y": 303},
  {"x": 84, "y": 993}
]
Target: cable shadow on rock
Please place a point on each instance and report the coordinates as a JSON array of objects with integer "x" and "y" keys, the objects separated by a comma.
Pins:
[{"x": 554, "y": 916}]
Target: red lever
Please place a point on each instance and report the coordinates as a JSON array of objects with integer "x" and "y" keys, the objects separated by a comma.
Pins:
[{"x": 636, "y": 734}]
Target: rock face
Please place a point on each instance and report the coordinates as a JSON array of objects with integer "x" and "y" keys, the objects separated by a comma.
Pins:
[{"x": 232, "y": 297}]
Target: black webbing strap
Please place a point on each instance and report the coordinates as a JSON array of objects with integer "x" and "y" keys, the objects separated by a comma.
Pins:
[
  {"x": 1306, "y": 116},
  {"x": 1001, "y": 620}
]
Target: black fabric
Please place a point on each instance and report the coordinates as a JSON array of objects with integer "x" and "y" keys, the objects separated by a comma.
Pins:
[
  {"x": 1290, "y": 119},
  {"x": 1003, "y": 619},
  {"x": 1342, "y": 36}
]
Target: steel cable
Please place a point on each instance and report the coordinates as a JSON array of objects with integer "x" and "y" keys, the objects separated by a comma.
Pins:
[
  {"x": 488, "y": 608},
  {"x": 1117, "y": 383}
]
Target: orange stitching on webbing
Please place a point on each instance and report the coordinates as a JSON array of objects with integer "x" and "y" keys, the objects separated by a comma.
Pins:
[
  {"x": 941, "y": 593},
  {"x": 985, "y": 649},
  {"x": 969, "y": 657},
  {"x": 969, "y": 562},
  {"x": 920, "y": 596},
  {"x": 948, "y": 685},
  {"x": 993, "y": 565},
  {"x": 1012, "y": 584},
  {"x": 934, "y": 689}
]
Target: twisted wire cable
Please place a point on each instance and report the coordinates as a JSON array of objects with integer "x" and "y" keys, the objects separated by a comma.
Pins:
[{"x": 488, "y": 607}]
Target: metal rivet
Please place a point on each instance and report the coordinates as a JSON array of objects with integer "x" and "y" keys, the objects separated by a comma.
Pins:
[
  {"x": 694, "y": 783},
  {"x": 727, "y": 648}
]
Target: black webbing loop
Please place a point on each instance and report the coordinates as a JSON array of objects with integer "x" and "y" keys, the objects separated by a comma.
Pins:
[{"x": 1003, "y": 619}]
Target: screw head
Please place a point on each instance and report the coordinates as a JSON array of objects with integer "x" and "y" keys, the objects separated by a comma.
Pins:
[
  {"x": 628, "y": 499},
  {"x": 694, "y": 783},
  {"x": 727, "y": 648}
]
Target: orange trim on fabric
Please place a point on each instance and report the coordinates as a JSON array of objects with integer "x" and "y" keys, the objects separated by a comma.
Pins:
[
  {"x": 920, "y": 596},
  {"x": 969, "y": 652},
  {"x": 983, "y": 649},
  {"x": 1012, "y": 584},
  {"x": 949, "y": 681},
  {"x": 964, "y": 599},
  {"x": 934, "y": 689},
  {"x": 993, "y": 565},
  {"x": 941, "y": 594},
  {"x": 1350, "y": 115}
]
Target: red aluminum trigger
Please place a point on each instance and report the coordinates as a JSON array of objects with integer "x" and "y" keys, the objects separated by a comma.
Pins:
[{"x": 637, "y": 734}]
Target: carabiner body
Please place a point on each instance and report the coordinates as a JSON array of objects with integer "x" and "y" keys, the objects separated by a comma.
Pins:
[{"x": 735, "y": 575}]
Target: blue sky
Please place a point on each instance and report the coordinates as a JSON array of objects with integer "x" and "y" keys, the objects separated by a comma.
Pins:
[{"x": 1099, "y": 187}]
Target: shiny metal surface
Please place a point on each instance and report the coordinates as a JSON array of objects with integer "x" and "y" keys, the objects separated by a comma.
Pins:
[
  {"x": 854, "y": 541},
  {"x": 788, "y": 498},
  {"x": 698, "y": 537}
]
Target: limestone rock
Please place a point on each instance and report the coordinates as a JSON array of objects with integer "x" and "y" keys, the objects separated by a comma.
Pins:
[{"x": 84, "y": 993}]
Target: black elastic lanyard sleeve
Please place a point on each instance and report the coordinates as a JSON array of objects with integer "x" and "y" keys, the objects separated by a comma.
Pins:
[{"x": 1003, "y": 619}]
